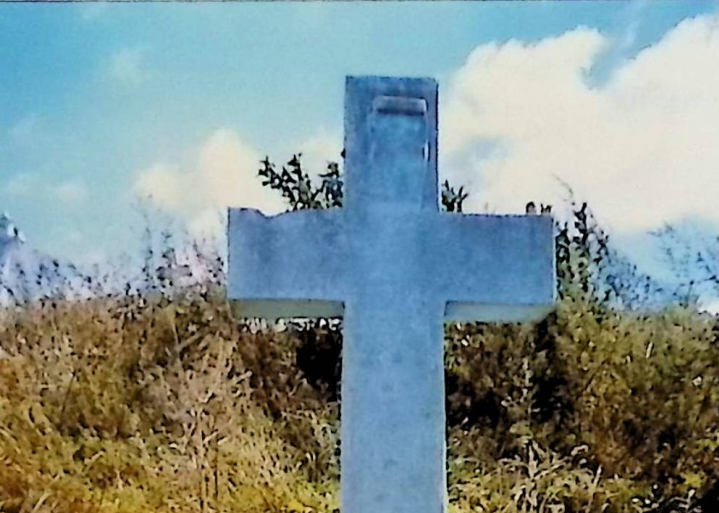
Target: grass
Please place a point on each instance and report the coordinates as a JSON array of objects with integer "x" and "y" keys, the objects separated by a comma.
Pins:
[{"x": 130, "y": 405}]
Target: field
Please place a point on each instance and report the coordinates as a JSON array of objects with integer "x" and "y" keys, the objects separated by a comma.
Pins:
[
  {"x": 167, "y": 404},
  {"x": 159, "y": 401}
]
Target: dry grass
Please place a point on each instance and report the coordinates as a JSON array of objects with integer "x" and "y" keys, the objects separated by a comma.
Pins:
[
  {"x": 125, "y": 407},
  {"x": 131, "y": 405}
]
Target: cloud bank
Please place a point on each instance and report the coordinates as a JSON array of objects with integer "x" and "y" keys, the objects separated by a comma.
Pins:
[
  {"x": 642, "y": 148},
  {"x": 517, "y": 119},
  {"x": 127, "y": 67},
  {"x": 223, "y": 174}
]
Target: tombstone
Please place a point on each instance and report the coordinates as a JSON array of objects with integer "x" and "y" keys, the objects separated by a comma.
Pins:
[{"x": 395, "y": 268}]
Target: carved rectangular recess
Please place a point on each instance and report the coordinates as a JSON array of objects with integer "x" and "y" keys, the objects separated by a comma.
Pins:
[{"x": 401, "y": 105}]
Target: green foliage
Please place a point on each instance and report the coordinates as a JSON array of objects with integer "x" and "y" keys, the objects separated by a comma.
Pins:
[
  {"x": 296, "y": 187},
  {"x": 588, "y": 269},
  {"x": 636, "y": 394},
  {"x": 693, "y": 258}
]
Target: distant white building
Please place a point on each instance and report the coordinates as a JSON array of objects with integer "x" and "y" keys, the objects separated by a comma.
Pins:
[
  {"x": 26, "y": 274},
  {"x": 11, "y": 239},
  {"x": 709, "y": 305}
]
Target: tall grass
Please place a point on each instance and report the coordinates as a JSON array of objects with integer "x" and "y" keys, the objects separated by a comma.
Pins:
[
  {"x": 155, "y": 399},
  {"x": 168, "y": 404}
]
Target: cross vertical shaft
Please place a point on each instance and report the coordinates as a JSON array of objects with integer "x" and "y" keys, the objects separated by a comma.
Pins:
[{"x": 392, "y": 421}]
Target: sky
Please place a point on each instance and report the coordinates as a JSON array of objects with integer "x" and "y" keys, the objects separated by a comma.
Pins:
[{"x": 103, "y": 105}]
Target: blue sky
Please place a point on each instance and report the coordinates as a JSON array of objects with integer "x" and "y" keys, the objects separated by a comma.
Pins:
[{"x": 101, "y": 104}]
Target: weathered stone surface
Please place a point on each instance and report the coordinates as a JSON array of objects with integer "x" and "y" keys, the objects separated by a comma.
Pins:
[{"x": 395, "y": 268}]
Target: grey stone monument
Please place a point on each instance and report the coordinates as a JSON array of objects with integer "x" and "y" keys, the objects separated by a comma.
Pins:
[{"x": 396, "y": 268}]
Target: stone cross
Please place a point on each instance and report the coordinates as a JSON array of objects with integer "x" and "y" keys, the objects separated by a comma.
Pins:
[{"x": 396, "y": 268}]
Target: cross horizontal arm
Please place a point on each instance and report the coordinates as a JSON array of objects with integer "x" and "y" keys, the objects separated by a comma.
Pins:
[
  {"x": 496, "y": 268},
  {"x": 291, "y": 265}
]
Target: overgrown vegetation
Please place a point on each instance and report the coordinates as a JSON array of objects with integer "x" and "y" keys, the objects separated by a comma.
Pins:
[{"x": 159, "y": 401}]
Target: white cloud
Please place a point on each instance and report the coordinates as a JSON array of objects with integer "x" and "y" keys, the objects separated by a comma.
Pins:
[
  {"x": 25, "y": 130},
  {"x": 127, "y": 66},
  {"x": 224, "y": 175},
  {"x": 642, "y": 148},
  {"x": 32, "y": 185},
  {"x": 164, "y": 184},
  {"x": 23, "y": 184},
  {"x": 227, "y": 168},
  {"x": 70, "y": 192},
  {"x": 96, "y": 256},
  {"x": 91, "y": 11},
  {"x": 318, "y": 150},
  {"x": 72, "y": 236},
  {"x": 208, "y": 223}
]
